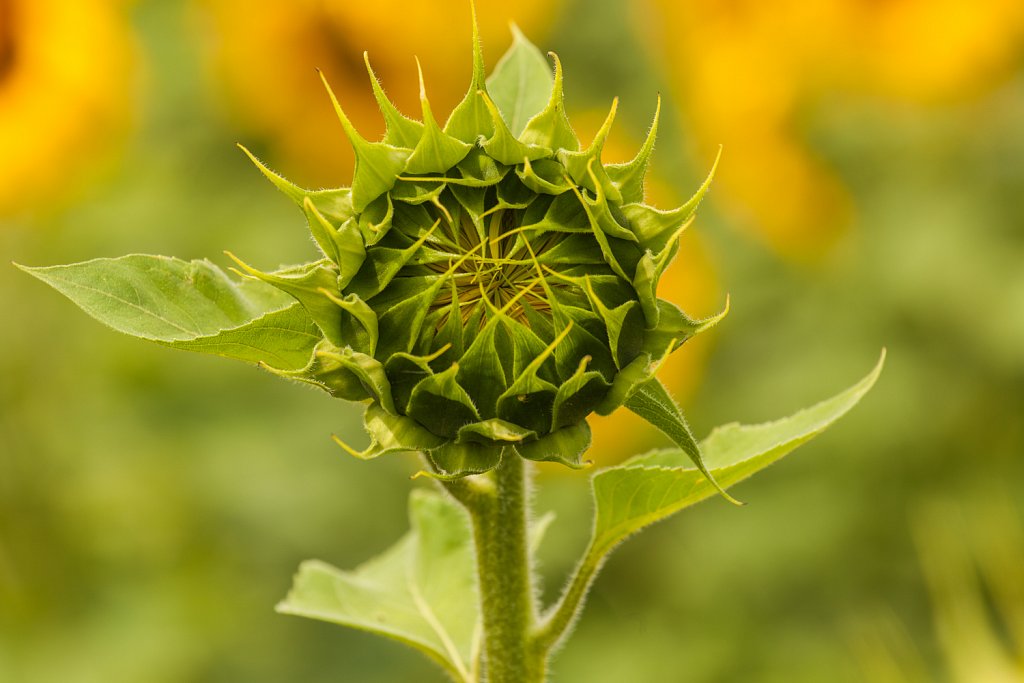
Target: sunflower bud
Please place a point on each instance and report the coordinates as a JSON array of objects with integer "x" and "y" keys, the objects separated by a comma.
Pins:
[{"x": 488, "y": 284}]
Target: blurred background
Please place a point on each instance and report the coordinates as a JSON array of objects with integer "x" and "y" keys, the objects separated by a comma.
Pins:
[{"x": 154, "y": 504}]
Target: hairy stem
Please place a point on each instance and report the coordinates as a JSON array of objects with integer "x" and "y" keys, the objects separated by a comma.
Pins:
[
  {"x": 561, "y": 618},
  {"x": 499, "y": 517}
]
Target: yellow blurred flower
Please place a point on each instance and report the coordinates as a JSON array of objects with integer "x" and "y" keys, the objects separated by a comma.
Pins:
[
  {"x": 265, "y": 54},
  {"x": 64, "y": 72},
  {"x": 746, "y": 70}
]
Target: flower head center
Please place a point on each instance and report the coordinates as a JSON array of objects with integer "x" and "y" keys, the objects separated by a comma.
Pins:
[{"x": 493, "y": 268}]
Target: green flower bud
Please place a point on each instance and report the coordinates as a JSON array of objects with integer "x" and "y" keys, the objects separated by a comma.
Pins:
[{"x": 488, "y": 284}]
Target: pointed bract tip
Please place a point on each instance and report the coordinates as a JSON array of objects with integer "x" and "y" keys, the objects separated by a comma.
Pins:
[
  {"x": 249, "y": 272},
  {"x": 348, "y": 449},
  {"x": 734, "y": 501},
  {"x": 419, "y": 73},
  {"x": 353, "y": 135},
  {"x": 602, "y": 133},
  {"x": 718, "y": 157},
  {"x": 252, "y": 157},
  {"x": 374, "y": 81},
  {"x": 479, "y": 75}
]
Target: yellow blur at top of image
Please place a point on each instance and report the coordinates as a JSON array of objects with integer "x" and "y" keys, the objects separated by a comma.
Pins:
[
  {"x": 748, "y": 71},
  {"x": 265, "y": 55},
  {"x": 64, "y": 94}
]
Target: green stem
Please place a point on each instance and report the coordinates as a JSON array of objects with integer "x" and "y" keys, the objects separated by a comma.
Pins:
[
  {"x": 561, "y": 618},
  {"x": 499, "y": 515}
]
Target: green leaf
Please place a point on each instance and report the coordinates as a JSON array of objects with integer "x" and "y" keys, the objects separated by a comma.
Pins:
[
  {"x": 651, "y": 487},
  {"x": 421, "y": 592},
  {"x": 652, "y": 402},
  {"x": 521, "y": 82},
  {"x": 190, "y": 305},
  {"x": 279, "y": 340}
]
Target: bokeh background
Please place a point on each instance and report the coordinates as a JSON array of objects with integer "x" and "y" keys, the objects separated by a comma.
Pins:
[{"x": 154, "y": 504}]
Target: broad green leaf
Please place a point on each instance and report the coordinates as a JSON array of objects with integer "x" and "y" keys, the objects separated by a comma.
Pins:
[
  {"x": 190, "y": 305},
  {"x": 421, "y": 592},
  {"x": 652, "y": 402},
  {"x": 520, "y": 84},
  {"x": 651, "y": 487},
  {"x": 280, "y": 340}
]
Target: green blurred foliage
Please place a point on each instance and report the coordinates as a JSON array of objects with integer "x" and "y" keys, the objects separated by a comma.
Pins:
[{"x": 153, "y": 504}]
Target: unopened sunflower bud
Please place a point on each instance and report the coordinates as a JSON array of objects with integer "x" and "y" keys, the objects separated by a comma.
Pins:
[{"x": 488, "y": 284}]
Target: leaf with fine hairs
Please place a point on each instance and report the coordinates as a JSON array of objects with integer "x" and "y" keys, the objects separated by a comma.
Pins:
[
  {"x": 191, "y": 305},
  {"x": 421, "y": 592},
  {"x": 650, "y": 487}
]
